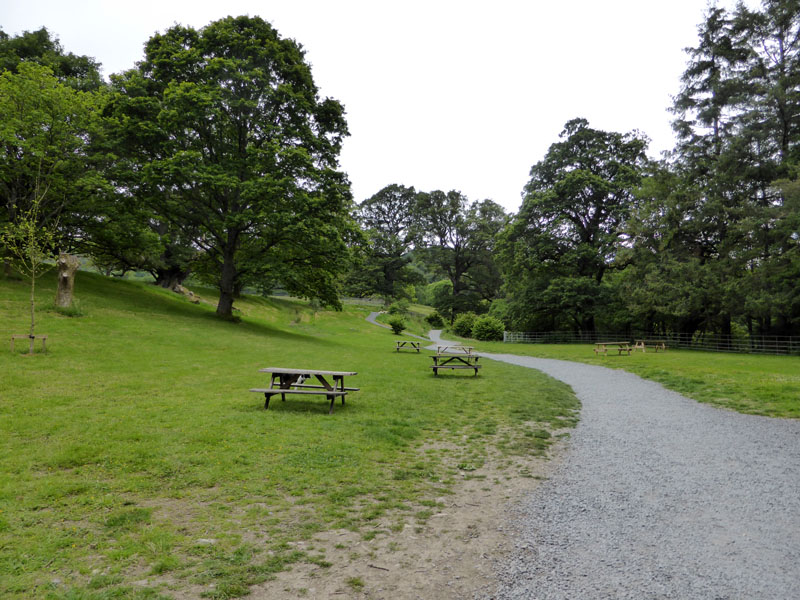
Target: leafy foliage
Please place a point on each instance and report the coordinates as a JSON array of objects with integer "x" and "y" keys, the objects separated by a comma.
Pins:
[
  {"x": 487, "y": 328},
  {"x": 398, "y": 324},
  {"x": 399, "y": 308},
  {"x": 39, "y": 47},
  {"x": 388, "y": 219},
  {"x": 464, "y": 323},
  {"x": 44, "y": 161},
  {"x": 571, "y": 227},
  {"x": 434, "y": 320},
  {"x": 221, "y": 133},
  {"x": 460, "y": 241}
]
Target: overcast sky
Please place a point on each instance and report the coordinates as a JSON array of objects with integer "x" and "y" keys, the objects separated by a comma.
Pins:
[{"x": 439, "y": 94}]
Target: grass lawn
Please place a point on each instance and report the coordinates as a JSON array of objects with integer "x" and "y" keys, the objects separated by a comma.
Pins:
[
  {"x": 748, "y": 383},
  {"x": 414, "y": 319},
  {"x": 132, "y": 451}
]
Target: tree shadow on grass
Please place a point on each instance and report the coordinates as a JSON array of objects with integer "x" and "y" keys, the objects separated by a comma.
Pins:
[{"x": 147, "y": 298}]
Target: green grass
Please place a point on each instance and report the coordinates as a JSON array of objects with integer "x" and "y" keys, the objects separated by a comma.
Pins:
[
  {"x": 414, "y": 319},
  {"x": 748, "y": 383},
  {"x": 132, "y": 451}
]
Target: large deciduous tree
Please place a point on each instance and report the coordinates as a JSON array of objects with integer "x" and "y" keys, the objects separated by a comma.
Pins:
[
  {"x": 388, "y": 219},
  {"x": 460, "y": 238},
  {"x": 571, "y": 227},
  {"x": 48, "y": 100},
  {"x": 226, "y": 138},
  {"x": 43, "y": 150}
]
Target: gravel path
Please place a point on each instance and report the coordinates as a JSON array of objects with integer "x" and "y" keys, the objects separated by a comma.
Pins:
[{"x": 658, "y": 496}]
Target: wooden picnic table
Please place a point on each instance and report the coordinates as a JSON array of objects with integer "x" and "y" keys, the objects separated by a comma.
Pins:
[
  {"x": 454, "y": 349},
  {"x": 655, "y": 344},
  {"x": 444, "y": 360},
  {"x": 411, "y": 344},
  {"x": 292, "y": 381},
  {"x": 602, "y": 347}
]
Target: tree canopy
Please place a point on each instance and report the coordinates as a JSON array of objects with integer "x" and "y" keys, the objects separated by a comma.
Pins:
[
  {"x": 572, "y": 225},
  {"x": 222, "y": 135}
]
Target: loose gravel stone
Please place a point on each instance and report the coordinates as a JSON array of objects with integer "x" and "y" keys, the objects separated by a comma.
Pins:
[{"x": 658, "y": 496}]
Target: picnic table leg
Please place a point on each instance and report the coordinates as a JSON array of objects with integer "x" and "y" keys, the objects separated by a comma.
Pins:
[
  {"x": 332, "y": 398},
  {"x": 266, "y": 401},
  {"x": 338, "y": 384}
]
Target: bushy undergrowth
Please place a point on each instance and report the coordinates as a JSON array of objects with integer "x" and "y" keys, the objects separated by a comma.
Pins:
[
  {"x": 398, "y": 324},
  {"x": 435, "y": 320},
  {"x": 487, "y": 328},
  {"x": 463, "y": 324}
]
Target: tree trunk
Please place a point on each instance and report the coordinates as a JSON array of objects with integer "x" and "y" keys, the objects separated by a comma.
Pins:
[
  {"x": 67, "y": 265},
  {"x": 33, "y": 306},
  {"x": 227, "y": 286},
  {"x": 171, "y": 278}
]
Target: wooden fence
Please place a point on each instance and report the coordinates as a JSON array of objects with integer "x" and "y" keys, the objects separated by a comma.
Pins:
[{"x": 762, "y": 344}]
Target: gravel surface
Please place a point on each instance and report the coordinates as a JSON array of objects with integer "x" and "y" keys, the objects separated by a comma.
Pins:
[{"x": 658, "y": 496}]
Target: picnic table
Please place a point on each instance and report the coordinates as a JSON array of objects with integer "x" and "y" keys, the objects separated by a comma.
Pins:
[
  {"x": 454, "y": 349},
  {"x": 460, "y": 360},
  {"x": 292, "y": 381},
  {"x": 602, "y": 347},
  {"x": 411, "y": 344},
  {"x": 655, "y": 344}
]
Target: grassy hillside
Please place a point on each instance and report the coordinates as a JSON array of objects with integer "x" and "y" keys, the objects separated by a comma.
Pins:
[{"x": 135, "y": 463}]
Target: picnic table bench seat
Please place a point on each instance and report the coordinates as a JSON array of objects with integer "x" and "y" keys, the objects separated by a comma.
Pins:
[
  {"x": 269, "y": 392},
  {"x": 454, "y": 361},
  {"x": 410, "y": 344}
]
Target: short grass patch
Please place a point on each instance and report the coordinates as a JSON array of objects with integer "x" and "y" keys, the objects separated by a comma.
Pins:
[
  {"x": 133, "y": 452},
  {"x": 748, "y": 383}
]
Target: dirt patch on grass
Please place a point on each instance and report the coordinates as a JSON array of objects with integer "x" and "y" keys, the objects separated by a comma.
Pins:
[{"x": 448, "y": 552}]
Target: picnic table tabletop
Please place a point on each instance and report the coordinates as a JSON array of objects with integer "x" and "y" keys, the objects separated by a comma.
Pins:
[
  {"x": 287, "y": 371},
  {"x": 454, "y": 349}
]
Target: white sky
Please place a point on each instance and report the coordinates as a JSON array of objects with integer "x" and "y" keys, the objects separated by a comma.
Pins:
[{"x": 439, "y": 94}]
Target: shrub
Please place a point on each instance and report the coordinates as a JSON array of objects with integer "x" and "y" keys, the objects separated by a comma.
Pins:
[
  {"x": 487, "y": 329},
  {"x": 463, "y": 324},
  {"x": 399, "y": 308},
  {"x": 397, "y": 324},
  {"x": 435, "y": 320}
]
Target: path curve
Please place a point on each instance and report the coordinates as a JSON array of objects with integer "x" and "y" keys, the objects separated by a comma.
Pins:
[
  {"x": 373, "y": 318},
  {"x": 657, "y": 496}
]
